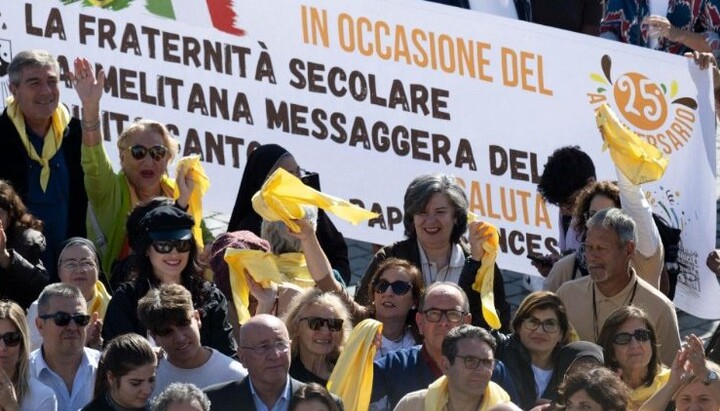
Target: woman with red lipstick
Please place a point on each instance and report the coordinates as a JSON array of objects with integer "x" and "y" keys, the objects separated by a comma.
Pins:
[
  {"x": 531, "y": 352},
  {"x": 435, "y": 220},
  {"x": 164, "y": 252},
  {"x": 630, "y": 346},
  {"x": 125, "y": 377}
]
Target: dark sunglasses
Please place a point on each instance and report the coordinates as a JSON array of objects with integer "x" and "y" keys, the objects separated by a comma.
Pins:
[
  {"x": 640, "y": 335},
  {"x": 398, "y": 287},
  {"x": 315, "y": 323},
  {"x": 166, "y": 247},
  {"x": 11, "y": 339},
  {"x": 62, "y": 319},
  {"x": 156, "y": 152}
]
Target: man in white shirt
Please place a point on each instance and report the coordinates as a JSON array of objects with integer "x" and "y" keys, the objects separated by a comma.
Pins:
[
  {"x": 168, "y": 314},
  {"x": 63, "y": 363}
]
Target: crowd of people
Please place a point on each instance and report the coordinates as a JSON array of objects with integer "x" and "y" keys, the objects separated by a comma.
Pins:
[{"x": 116, "y": 297}]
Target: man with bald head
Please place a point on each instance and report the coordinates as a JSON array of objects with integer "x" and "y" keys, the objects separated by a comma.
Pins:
[{"x": 264, "y": 350}]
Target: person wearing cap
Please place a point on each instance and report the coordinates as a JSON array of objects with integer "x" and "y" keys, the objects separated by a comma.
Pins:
[{"x": 164, "y": 252}]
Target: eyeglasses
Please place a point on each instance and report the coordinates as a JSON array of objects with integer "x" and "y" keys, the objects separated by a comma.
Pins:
[
  {"x": 549, "y": 326},
  {"x": 166, "y": 247},
  {"x": 453, "y": 316},
  {"x": 398, "y": 287},
  {"x": 589, "y": 214},
  {"x": 641, "y": 335},
  {"x": 139, "y": 152},
  {"x": 315, "y": 323},
  {"x": 11, "y": 339},
  {"x": 280, "y": 346},
  {"x": 62, "y": 319},
  {"x": 472, "y": 362},
  {"x": 72, "y": 265}
]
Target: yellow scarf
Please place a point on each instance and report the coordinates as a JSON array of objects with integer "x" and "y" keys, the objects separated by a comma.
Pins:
[
  {"x": 52, "y": 141},
  {"x": 282, "y": 196},
  {"x": 485, "y": 276},
  {"x": 352, "y": 377},
  {"x": 638, "y": 160},
  {"x": 437, "y": 395},
  {"x": 100, "y": 302},
  {"x": 265, "y": 268},
  {"x": 639, "y": 395}
]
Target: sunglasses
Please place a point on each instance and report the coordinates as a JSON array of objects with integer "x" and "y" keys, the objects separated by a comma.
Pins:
[
  {"x": 640, "y": 335},
  {"x": 139, "y": 152},
  {"x": 11, "y": 339},
  {"x": 315, "y": 323},
  {"x": 398, "y": 287},
  {"x": 62, "y": 319},
  {"x": 166, "y": 247}
]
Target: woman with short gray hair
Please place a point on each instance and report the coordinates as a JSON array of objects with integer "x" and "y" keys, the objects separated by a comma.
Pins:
[{"x": 177, "y": 394}]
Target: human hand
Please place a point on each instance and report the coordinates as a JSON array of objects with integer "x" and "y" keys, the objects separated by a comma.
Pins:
[
  {"x": 307, "y": 231},
  {"x": 94, "y": 333},
  {"x": 703, "y": 60},
  {"x": 265, "y": 296},
  {"x": 713, "y": 262},
  {"x": 660, "y": 26},
  {"x": 478, "y": 232},
  {"x": 8, "y": 397},
  {"x": 696, "y": 356},
  {"x": 544, "y": 263},
  {"x": 89, "y": 87},
  {"x": 186, "y": 184}
]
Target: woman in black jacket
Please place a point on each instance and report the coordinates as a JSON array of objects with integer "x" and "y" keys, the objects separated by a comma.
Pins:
[{"x": 22, "y": 275}]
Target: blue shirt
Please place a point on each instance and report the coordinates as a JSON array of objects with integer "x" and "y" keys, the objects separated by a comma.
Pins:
[
  {"x": 281, "y": 404},
  {"x": 83, "y": 384}
]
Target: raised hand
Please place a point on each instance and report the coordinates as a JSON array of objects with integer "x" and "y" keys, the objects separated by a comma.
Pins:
[{"x": 88, "y": 86}]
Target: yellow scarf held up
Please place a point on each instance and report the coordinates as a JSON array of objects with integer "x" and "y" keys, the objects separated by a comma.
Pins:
[
  {"x": 100, "y": 302},
  {"x": 264, "y": 268},
  {"x": 437, "y": 396},
  {"x": 192, "y": 166},
  {"x": 52, "y": 141},
  {"x": 485, "y": 276},
  {"x": 637, "y": 159},
  {"x": 352, "y": 377},
  {"x": 282, "y": 196}
]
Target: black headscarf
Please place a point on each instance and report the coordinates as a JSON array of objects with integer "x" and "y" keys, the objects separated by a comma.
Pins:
[
  {"x": 55, "y": 277},
  {"x": 257, "y": 168}
]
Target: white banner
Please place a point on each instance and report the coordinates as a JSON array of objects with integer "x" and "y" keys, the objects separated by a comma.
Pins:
[{"x": 370, "y": 94}]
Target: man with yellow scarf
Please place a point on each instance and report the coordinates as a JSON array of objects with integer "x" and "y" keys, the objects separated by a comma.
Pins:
[
  {"x": 40, "y": 149},
  {"x": 467, "y": 363}
]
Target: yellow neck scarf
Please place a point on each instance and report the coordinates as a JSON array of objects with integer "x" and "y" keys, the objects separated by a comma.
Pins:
[
  {"x": 264, "y": 268},
  {"x": 352, "y": 377},
  {"x": 53, "y": 139},
  {"x": 437, "y": 395},
  {"x": 639, "y": 395},
  {"x": 485, "y": 276}
]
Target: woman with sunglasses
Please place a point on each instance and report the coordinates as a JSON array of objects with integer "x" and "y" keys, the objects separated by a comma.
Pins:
[
  {"x": 125, "y": 376},
  {"x": 630, "y": 347},
  {"x": 531, "y": 353},
  {"x": 146, "y": 149},
  {"x": 318, "y": 324},
  {"x": 18, "y": 390},
  {"x": 164, "y": 252}
]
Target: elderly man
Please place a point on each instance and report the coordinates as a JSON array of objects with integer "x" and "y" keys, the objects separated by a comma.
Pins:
[
  {"x": 613, "y": 283},
  {"x": 168, "y": 314},
  {"x": 40, "y": 149},
  {"x": 264, "y": 349},
  {"x": 443, "y": 307},
  {"x": 467, "y": 363},
  {"x": 63, "y": 363}
]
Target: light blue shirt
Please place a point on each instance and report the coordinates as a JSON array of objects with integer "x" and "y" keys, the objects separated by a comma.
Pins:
[
  {"x": 281, "y": 404},
  {"x": 83, "y": 383}
]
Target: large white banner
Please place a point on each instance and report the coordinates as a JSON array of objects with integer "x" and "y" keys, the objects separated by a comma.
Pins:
[{"x": 370, "y": 94}]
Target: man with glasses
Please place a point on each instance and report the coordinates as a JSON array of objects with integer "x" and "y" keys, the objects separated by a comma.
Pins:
[
  {"x": 443, "y": 307},
  {"x": 264, "y": 349},
  {"x": 467, "y": 363},
  {"x": 63, "y": 363},
  {"x": 174, "y": 324},
  {"x": 614, "y": 283}
]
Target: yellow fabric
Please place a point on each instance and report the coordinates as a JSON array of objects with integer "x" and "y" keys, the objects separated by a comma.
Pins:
[
  {"x": 638, "y": 160},
  {"x": 202, "y": 183},
  {"x": 485, "y": 276},
  {"x": 641, "y": 394},
  {"x": 437, "y": 395},
  {"x": 264, "y": 268},
  {"x": 53, "y": 139},
  {"x": 352, "y": 377},
  {"x": 282, "y": 196},
  {"x": 99, "y": 303}
]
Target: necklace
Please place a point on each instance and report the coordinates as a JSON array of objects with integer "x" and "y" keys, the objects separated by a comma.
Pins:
[
  {"x": 397, "y": 340},
  {"x": 595, "y": 314}
]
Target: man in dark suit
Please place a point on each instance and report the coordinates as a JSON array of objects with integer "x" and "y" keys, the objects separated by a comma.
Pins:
[{"x": 264, "y": 349}]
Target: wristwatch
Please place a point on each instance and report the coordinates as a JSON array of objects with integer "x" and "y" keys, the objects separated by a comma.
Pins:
[{"x": 710, "y": 377}]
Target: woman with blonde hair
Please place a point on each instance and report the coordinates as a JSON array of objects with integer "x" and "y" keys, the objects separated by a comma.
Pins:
[
  {"x": 18, "y": 390},
  {"x": 319, "y": 324}
]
